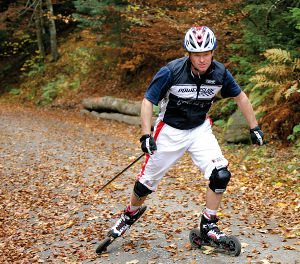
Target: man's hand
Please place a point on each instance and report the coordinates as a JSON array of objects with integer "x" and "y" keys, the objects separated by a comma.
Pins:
[
  {"x": 148, "y": 144},
  {"x": 257, "y": 135}
]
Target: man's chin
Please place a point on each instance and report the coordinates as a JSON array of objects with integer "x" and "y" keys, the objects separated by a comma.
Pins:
[{"x": 202, "y": 70}]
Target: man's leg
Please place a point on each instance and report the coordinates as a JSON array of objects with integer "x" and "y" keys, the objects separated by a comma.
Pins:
[
  {"x": 138, "y": 197},
  {"x": 132, "y": 211},
  {"x": 213, "y": 200},
  {"x": 135, "y": 201},
  {"x": 152, "y": 171},
  {"x": 207, "y": 155},
  {"x": 217, "y": 186}
]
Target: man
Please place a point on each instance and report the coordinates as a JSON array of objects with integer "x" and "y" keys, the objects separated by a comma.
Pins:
[{"x": 185, "y": 89}]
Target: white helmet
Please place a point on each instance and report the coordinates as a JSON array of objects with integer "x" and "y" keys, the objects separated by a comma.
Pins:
[{"x": 199, "y": 39}]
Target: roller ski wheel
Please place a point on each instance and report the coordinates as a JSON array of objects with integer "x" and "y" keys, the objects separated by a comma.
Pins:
[
  {"x": 195, "y": 238},
  {"x": 110, "y": 238},
  {"x": 104, "y": 244},
  {"x": 230, "y": 244}
]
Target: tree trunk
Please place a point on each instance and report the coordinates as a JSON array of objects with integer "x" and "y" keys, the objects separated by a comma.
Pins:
[
  {"x": 52, "y": 29},
  {"x": 39, "y": 29}
]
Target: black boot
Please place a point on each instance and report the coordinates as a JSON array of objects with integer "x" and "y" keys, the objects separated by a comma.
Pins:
[
  {"x": 209, "y": 229},
  {"x": 125, "y": 221}
]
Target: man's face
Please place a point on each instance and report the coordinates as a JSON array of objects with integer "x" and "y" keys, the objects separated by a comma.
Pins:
[{"x": 201, "y": 61}]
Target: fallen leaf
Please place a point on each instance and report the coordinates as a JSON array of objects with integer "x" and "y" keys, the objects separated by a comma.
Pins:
[
  {"x": 69, "y": 224},
  {"x": 262, "y": 231},
  {"x": 264, "y": 261},
  {"x": 289, "y": 248},
  {"x": 244, "y": 245},
  {"x": 132, "y": 261},
  {"x": 208, "y": 250},
  {"x": 92, "y": 218}
]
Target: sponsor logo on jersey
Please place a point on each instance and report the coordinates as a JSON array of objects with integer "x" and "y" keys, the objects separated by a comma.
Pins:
[
  {"x": 206, "y": 92},
  {"x": 210, "y": 81},
  {"x": 203, "y": 91},
  {"x": 187, "y": 90},
  {"x": 200, "y": 103}
]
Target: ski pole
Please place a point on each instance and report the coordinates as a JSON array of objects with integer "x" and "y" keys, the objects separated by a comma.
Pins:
[
  {"x": 137, "y": 159},
  {"x": 247, "y": 152}
]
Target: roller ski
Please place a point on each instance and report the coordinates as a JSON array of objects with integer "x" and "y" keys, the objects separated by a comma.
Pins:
[
  {"x": 210, "y": 235},
  {"x": 126, "y": 220}
]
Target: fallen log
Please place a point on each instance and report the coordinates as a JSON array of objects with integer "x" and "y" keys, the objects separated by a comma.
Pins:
[
  {"x": 111, "y": 104},
  {"x": 131, "y": 120}
]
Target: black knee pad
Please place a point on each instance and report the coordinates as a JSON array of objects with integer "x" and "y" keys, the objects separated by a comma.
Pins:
[
  {"x": 219, "y": 180},
  {"x": 140, "y": 190}
]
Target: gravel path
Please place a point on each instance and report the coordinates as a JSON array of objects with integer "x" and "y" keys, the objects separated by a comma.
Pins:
[{"x": 52, "y": 162}]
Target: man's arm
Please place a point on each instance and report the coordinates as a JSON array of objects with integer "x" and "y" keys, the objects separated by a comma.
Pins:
[
  {"x": 246, "y": 108},
  {"x": 148, "y": 144},
  {"x": 146, "y": 116}
]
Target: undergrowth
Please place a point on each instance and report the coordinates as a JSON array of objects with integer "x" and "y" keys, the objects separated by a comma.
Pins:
[{"x": 44, "y": 81}]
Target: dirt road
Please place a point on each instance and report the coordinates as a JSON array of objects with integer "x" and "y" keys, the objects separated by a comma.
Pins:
[{"x": 52, "y": 162}]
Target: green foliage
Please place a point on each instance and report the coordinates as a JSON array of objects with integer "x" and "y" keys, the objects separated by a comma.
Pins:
[
  {"x": 277, "y": 78},
  {"x": 93, "y": 13},
  {"x": 267, "y": 24},
  {"x": 78, "y": 66},
  {"x": 155, "y": 110},
  {"x": 222, "y": 109},
  {"x": 80, "y": 60},
  {"x": 52, "y": 89},
  {"x": 137, "y": 15},
  {"x": 271, "y": 25},
  {"x": 266, "y": 60},
  {"x": 135, "y": 20},
  {"x": 33, "y": 66},
  {"x": 295, "y": 136},
  {"x": 275, "y": 89},
  {"x": 295, "y": 16},
  {"x": 244, "y": 71},
  {"x": 112, "y": 19},
  {"x": 221, "y": 123},
  {"x": 43, "y": 82},
  {"x": 15, "y": 91},
  {"x": 90, "y": 13},
  {"x": 14, "y": 46},
  {"x": 230, "y": 107}
]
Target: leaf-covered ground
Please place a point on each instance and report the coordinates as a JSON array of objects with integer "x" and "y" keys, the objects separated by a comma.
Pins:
[{"x": 53, "y": 162}]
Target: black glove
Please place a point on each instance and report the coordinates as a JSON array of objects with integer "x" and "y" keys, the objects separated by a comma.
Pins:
[
  {"x": 257, "y": 135},
  {"x": 148, "y": 144}
]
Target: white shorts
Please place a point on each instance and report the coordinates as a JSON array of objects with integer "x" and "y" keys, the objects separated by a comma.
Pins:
[{"x": 172, "y": 143}]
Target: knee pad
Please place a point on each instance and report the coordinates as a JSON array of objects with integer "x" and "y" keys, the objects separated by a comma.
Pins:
[
  {"x": 219, "y": 179},
  {"x": 140, "y": 190}
]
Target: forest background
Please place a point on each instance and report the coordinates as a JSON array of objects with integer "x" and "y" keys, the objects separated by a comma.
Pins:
[{"x": 58, "y": 52}]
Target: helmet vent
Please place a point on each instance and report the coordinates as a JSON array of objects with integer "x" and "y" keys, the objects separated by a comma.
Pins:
[
  {"x": 191, "y": 42},
  {"x": 207, "y": 42}
]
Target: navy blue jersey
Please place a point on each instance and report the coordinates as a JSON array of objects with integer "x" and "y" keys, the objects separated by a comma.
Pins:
[{"x": 185, "y": 99}]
